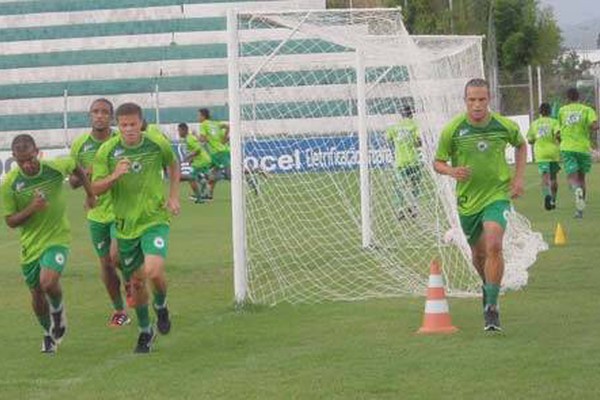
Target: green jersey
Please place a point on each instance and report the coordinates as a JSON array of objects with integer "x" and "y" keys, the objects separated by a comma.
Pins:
[
  {"x": 575, "y": 121},
  {"x": 215, "y": 136},
  {"x": 202, "y": 159},
  {"x": 83, "y": 151},
  {"x": 405, "y": 136},
  {"x": 48, "y": 227},
  {"x": 543, "y": 132},
  {"x": 482, "y": 148},
  {"x": 138, "y": 196}
]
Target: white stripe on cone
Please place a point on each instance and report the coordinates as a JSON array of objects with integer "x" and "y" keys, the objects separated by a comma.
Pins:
[
  {"x": 435, "y": 281},
  {"x": 436, "y": 307}
]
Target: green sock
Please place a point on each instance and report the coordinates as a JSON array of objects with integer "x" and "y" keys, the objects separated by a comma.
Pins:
[
  {"x": 546, "y": 190},
  {"x": 118, "y": 303},
  {"x": 55, "y": 303},
  {"x": 44, "y": 321},
  {"x": 143, "y": 317},
  {"x": 160, "y": 300},
  {"x": 491, "y": 291}
]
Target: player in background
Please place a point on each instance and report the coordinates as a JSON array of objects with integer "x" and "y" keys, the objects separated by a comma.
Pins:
[
  {"x": 200, "y": 161},
  {"x": 474, "y": 143},
  {"x": 577, "y": 123},
  {"x": 129, "y": 167},
  {"x": 544, "y": 135},
  {"x": 101, "y": 219},
  {"x": 33, "y": 200},
  {"x": 405, "y": 137},
  {"x": 216, "y": 135}
]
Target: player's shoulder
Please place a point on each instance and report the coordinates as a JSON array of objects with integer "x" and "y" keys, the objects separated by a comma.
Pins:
[
  {"x": 80, "y": 140},
  {"x": 455, "y": 123},
  {"x": 505, "y": 121},
  {"x": 109, "y": 145},
  {"x": 10, "y": 177}
]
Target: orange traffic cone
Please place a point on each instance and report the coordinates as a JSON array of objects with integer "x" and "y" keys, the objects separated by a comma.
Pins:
[{"x": 437, "y": 316}]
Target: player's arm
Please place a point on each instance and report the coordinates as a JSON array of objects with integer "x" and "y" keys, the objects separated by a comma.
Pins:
[
  {"x": 225, "y": 127},
  {"x": 81, "y": 176},
  {"x": 444, "y": 151},
  {"x": 174, "y": 178},
  {"x": 517, "y": 186},
  {"x": 103, "y": 185},
  {"x": 38, "y": 203}
]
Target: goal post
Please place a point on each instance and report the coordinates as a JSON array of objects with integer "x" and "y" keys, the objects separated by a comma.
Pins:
[{"x": 333, "y": 197}]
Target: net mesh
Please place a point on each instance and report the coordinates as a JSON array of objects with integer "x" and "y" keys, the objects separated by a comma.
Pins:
[{"x": 300, "y": 117}]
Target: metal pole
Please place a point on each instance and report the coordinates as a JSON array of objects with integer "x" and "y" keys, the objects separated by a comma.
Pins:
[
  {"x": 539, "y": 81},
  {"x": 363, "y": 149},
  {"x": 531, "y": 101},
  {"x": 451, "y": 16},
  {"x": 66, "y": 117},
  {"x": 240, "y": 271}
]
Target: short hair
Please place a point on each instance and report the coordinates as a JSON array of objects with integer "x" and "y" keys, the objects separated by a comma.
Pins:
[
  {"x": 407, "y": 111},
  {"x": 23, "y": 142},
  {"x": 573, "y": 94},
  {"x": 129, "y": 109},
  {"x": 477, "y": 82},
  {"x": 105, "y": 101},
  {"x": 183, "y": 125},
  {"x": 545, "y": 109},
  {"x": 204, "y": 112}
]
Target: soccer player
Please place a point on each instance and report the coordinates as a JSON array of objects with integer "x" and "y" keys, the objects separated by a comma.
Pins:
[
  {"x": 577, "y": 122},
  {"x": 33, "y": 201},
  {"x": 130, "y": 167},
  {"x": 474, "y": 143},
  {"x": 201, "y": 163},
  {"x": 101, "y": 219},
  {"x": 544, "y": 134},
  {"x": 216, "y": 135},
  {"x": 405, "y": 137}
]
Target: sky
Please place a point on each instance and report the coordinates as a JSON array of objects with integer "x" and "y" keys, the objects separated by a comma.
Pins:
[{"x": 571, "y": 12}]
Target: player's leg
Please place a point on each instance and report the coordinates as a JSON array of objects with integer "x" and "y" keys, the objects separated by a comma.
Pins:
[
  {"x": 52, "y": 263},
  {"x": 155, "y": 244},
  {"x": 473, "y": 228},
  {"x": 494, "y": 224},
  {"x": 39, "y": 303},
  {"x": 544, "y": 170},
  {"x": 572, "y": 168},
  {"x": 102, "y": 238},
  {"x": 554, "y": 169},
  {"x": 132, "y": 261}
]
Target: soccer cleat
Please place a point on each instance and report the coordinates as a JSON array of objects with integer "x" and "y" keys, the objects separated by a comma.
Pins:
[
  {"x": 579, "y": 200},
  {"x": 163, "y": 323},
  {"x": 58, "y": 325},
  {"x": 548, "y": 202},
  {"x": 553, "y": 203},
  {"x": 492, "y": 319},
  {"x": 578, "y": 214},
  {"x": 145, "y": 341},
  {"x": 119, "y": 318},
  {"x": 48, "y": 345}
]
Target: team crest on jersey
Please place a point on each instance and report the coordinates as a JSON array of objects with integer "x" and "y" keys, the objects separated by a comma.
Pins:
[
  {"x": 136, "y": 167},
  {"x": 159, "y": 243},
  {"x": 482, "y": 145}
]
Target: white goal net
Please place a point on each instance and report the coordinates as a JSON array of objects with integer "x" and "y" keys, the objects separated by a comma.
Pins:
[{"x": 337, "y": 199}]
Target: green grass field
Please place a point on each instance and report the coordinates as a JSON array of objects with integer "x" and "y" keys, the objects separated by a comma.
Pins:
[{"x": 362, "y": 350}]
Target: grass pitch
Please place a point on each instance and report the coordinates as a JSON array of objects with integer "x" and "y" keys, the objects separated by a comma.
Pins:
[{"x": 362, "y": 350}]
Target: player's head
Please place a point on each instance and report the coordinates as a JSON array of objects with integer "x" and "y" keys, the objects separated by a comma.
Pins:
[
  {"x": 203, "y": 114},
  {"x": 25, "y": 153},
  {"x": 130, "y": 120},
  {"x": 101, "y": 114},
  {"x": 545, "y": 109},
  {"x": 477, "y": 99},
  {"x": 573, "y": 95},
  {"x": 183, "y": 130},
  {"x": 407, "y": 112}
]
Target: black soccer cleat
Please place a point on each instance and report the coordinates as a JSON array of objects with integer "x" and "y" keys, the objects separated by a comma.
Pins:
[
  {"x": 48, "y": 345},
  {"x": 164, "y": 323},
  {"x": 144, "y": 343},
  {"x": 492, "y": 319},
  {"x": 548, "y": 202},
  {"x": 58, "y": 326}
]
